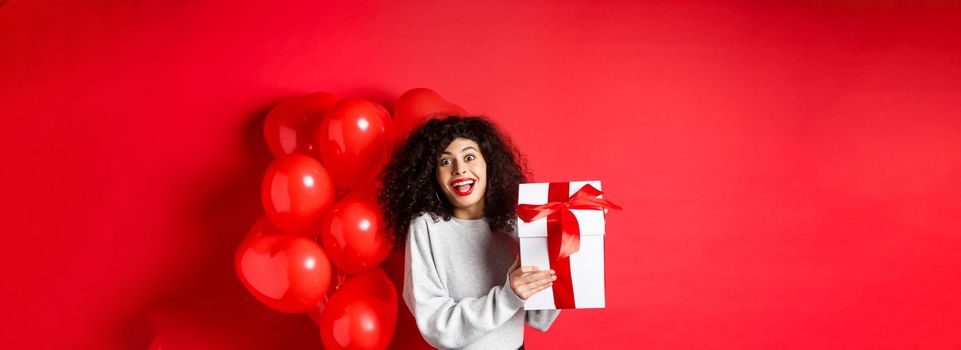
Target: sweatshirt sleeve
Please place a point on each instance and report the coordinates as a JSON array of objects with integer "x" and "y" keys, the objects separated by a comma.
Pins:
[
  {"x": 444, "y": 322},
  {"x": 541, "y": 319}
]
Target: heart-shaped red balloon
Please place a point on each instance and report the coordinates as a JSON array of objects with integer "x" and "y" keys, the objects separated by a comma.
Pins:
[
  {"x": 416, "y": 106},
  {"x": 354, "y": 235},
  {"x": 289, "y": 126},
  {"x": 355, "y": 140},
  {"x": 287, "y": 273},
  {"x": 296, "y": 192},
  {"x": 362, "y": 314}
]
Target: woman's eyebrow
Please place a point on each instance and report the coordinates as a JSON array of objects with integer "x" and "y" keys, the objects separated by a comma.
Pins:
[{"x": 462, "y": 151}]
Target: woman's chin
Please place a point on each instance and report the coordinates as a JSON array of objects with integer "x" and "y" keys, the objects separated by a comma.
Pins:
[{"x": 465, "y": 202}]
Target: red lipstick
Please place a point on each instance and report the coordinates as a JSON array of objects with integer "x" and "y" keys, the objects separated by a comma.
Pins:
[{"x": 469, "y": 189}]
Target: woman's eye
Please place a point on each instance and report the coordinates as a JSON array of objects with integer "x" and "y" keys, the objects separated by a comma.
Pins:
[
  {"x": 444, "y": 161},
  {"x": 469, "y": 157}
]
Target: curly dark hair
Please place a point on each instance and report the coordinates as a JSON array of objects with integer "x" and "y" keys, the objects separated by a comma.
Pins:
[{"x": 409, "y": 186}]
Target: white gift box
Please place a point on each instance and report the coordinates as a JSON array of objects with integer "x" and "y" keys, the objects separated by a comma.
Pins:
[{"x": 586, "y": 265}]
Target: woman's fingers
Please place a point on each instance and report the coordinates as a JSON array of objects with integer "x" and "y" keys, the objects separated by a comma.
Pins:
[
  {"x": 542, "y": 281},
  {"x": 522, "y": 272},
  {"x": 528, "y": 280},
  {"x": 536, "y": 285},
  {"x": 534, "y": 290},
  {"x": 536, "y": 276},
  {"x": 540, "y": 288}
]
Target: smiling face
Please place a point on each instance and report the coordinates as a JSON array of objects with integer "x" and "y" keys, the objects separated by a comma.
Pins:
[{"x": 462, "y": 175}]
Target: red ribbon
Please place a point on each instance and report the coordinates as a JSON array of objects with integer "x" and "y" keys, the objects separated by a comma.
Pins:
[{"x": 563, "y": 231}]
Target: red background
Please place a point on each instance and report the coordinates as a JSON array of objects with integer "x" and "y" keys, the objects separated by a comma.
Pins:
[{"x": 790, "y": 173}]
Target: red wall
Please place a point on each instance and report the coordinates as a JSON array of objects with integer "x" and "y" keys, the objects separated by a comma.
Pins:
[{"x": 790, "y": 173}]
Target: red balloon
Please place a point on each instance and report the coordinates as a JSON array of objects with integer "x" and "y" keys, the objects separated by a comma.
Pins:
[
  {"x": 383, "y": 111},
  {"x": 354, "y": 141},
  {"x": 354, "y": 235},
  {"x": 416, "y": 106},
  {"x": 393, "y": 129},
  {"x": 289, "y": 125},
  {"x": 362, "y": 314},
  {"x": 260, "y": 228},
  {"x": 296, "y": 192},
  {"x": 287, "y": 273}
]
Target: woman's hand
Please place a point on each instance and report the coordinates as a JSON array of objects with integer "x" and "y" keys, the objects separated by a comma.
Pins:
[{"x": 528, "y": 280}]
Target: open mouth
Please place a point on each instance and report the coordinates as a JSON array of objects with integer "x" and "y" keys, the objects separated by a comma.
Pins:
[{"x": 463, "y": 187}]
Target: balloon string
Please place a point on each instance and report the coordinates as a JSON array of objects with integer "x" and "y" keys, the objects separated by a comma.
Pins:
[{"x": 341, "y": 277}]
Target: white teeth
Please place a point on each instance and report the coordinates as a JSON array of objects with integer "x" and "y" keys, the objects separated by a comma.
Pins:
[{"x": 462, "y": 183}]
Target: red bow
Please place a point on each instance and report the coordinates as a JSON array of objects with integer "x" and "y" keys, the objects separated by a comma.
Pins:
[{"x": 570, "y": 233}]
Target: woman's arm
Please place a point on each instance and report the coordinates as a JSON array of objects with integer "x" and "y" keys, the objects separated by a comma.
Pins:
[
  {"x": 542, "y": 319},
  {"x": 444, "y": 322}
]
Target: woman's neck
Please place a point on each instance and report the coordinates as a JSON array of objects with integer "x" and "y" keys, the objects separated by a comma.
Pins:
[{"x": 473, "y": 213}]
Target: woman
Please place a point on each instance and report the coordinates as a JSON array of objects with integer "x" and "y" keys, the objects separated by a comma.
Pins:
[{"x": 449, "y": 196}]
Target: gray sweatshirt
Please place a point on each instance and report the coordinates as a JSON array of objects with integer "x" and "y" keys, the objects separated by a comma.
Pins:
[{"x": 456, "y": 285}]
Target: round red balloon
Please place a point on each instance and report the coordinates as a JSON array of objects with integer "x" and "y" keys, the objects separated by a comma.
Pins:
[
  {"x": 383, "y": 111},
  {"x": 354, "y": 141},
  {"x": 296, "y": 192},
  {"x": 289, "y": 126},
  {"x": 416, "y": 106},
  {"x": 287, "y": 273},
  {"x": 353, "y": 234},
  {"x": 362, "y": 314}
]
